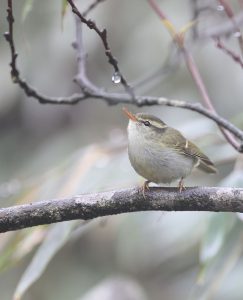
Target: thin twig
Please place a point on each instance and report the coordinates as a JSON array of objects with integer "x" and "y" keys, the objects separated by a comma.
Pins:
[
  {"x": 191, "y": 66},
  {"x": 179, "y": 40},
  {"x": 158, "y": 11},
  {"x": 205, "y": 96},
  {"x": 81, "y": 78},
  {"x": 92, "y": 91},
  {"x": 91, "y": 206},
  {"x": 229, "y": 52},
  {"x": 103, "y": 36},
  {"x": 15, "y": 74},
  {"x": 222, "y": 30},
  {"x": 229, "y": 12}
]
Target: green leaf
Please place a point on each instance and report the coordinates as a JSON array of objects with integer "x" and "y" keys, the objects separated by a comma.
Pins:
[
  {"x": 214, "y": 272},
  {"x": 219, "y": 225},
  {"x": 19, "y": 244},
  {"x": 28, "y": 5},
  {"x": 129, "y": 289},
  {"x": 106, "y": 165},
  {"x": 54, "y": 241},
  {"x": 64, "y": 10}
]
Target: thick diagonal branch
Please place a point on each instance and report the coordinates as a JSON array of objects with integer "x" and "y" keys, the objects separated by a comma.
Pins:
[{"x": 90, "y": 206}]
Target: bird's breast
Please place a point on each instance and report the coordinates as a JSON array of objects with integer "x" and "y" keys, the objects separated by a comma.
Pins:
[{"x": 156, "y": 162}]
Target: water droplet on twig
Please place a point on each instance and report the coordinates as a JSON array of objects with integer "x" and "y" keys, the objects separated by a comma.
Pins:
[
  {"x": 116, "y": 77},
  {"x": 220, "y": 8},
  {"x": 237, "y": 34}
]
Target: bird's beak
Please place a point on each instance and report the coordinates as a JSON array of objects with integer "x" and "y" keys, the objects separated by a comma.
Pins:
[{"x": 129, "y": 115}]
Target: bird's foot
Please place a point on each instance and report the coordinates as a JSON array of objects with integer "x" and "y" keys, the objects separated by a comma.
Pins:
[
  {"x": 181, "y": 185},
  {"x": 145, "y": 187}
]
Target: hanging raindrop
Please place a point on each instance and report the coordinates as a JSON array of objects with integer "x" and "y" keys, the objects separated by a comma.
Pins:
[
  {"x": 220, "y": 8},
  {"x": 116, "y": 77},
  {"x": 237, "y": 34}
]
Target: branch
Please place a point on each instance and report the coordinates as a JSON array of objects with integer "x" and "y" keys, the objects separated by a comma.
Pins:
[
  {"x": 103, "y": 36},
  {"x": 90, "y": 206},
  {"x": 15, "y": 74},
  {"x": 229, "y": 12},
  {"x": 229, "y": 52},
  {"x": 223, "y": 30},
  {"x": 178, "y": 38},
  {"x": 205, "y": 96},
  {"x": 88, "y": 87},
  {"x": 81, "y": 78},
  {"x": 89, "y": 90}
]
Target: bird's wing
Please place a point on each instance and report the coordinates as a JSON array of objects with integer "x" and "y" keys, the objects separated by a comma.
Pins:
[
  {"x": 204, "y": 163},
  {"x": 185, "y": 147}
]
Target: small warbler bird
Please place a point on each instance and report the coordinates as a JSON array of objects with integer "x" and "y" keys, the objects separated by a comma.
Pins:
[{"x": 161, "y": 154}]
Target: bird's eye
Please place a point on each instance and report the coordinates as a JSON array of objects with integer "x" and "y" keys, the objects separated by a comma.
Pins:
[{"x": 146, "y": 123}]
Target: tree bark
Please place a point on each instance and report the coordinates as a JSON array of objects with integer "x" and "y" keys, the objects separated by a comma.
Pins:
[{"x": 90, "y": 206}]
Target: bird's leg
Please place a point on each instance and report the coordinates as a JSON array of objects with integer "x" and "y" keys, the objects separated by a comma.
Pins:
[
  {"x": 145, "y": 187},
  {"x": 181, "y": 185}
]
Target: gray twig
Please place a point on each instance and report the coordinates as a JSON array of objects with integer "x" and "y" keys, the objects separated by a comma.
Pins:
[
  {"x": 103, "y": 36},
  {"x": 223, "y": 29},
  {"x": 229, "y": 52},
  {"x": 90, "y": 90}
]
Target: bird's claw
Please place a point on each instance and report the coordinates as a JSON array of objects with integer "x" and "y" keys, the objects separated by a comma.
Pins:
[
  {"x": 181, "y": 185},
  {"x": 145, "y": 187}
]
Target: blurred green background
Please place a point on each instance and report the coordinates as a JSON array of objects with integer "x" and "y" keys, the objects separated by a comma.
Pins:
[{"x": 57, "y": 151}]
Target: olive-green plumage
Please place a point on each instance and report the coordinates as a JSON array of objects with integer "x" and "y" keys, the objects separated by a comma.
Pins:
[{"x": 161, "y": 153}]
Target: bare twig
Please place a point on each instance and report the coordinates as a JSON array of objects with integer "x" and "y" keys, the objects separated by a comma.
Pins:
[
  {"x": 191, "y": 65},
  {"x": 158, "y": 11},
  {"x": 91, "y": 206},
  {"x": 229, "y": 12},
  {"x": 229, "y": 52},
  {"x": 205, "y": 96},
  {"x": 89, "y": 90},
  {"x": 82, "y": 78},
  {"x": 15, "y": 74},
  {"x": 222, "y": 30},
  {"x": 178, "y": 38},
  {"x": 103, "y": 36}
]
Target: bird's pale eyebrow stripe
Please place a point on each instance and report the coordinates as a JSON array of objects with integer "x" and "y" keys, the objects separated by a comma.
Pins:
[{"x": 155, "y": 124}]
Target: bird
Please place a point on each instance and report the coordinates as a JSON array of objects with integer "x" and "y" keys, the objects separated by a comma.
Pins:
[{"x": 160, "y": 153}]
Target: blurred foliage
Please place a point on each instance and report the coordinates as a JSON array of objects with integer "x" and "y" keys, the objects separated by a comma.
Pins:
[
  {"x": 27, "y": 8},
  {"x": 55, "y": 151}
]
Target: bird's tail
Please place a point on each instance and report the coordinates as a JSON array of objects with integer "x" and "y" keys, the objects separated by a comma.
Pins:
[{"x": 207, "y": 167}]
